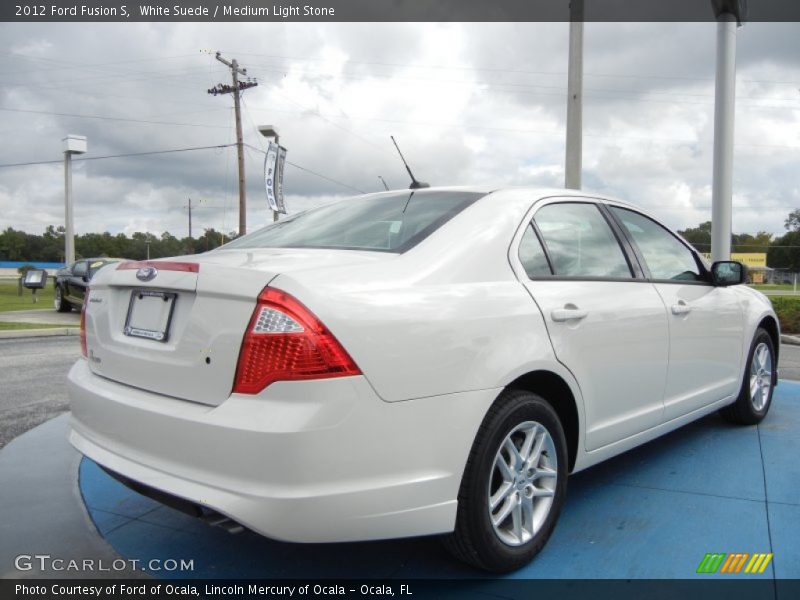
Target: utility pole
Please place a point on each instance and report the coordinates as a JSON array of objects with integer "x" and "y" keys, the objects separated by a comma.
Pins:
[
  {"x": 236, "y": 89},
  {"x": 574, "y": 154},
  {"x": 190, "y": 217}
]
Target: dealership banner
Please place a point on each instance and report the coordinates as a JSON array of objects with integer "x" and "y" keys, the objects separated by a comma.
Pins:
[{"x": 273, "y": 176}]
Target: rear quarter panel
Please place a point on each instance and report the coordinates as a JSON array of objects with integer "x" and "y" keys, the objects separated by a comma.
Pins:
[{"x": 447, "y": 316}]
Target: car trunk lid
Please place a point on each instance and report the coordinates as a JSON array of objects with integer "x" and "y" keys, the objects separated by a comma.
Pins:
[{"x": 175, "y": 327}]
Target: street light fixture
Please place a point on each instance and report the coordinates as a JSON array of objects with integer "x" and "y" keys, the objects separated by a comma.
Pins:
[
  {"x": 73, "y": 144},
  {"x": 269, "y": 131}
]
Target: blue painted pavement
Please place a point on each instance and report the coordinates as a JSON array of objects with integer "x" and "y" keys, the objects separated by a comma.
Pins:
[{"x": 652, "y": 513}]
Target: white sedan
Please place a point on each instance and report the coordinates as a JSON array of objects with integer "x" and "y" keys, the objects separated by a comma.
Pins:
[{"x": 412, "y": 363}]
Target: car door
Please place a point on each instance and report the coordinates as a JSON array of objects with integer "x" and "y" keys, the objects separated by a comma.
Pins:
[
  {"x": 706, "y": 323},
  {"x": 607, "y": 325},
  {"x": 76, "y": 283}
]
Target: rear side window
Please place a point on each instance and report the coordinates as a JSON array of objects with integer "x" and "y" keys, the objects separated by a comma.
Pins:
[
  {"x": 79, "y": 270},
  {"x": 532, "y": 256},
  {"x": 391, "y": 222},
  {"x": 665, "y": 255},
  {"x": 580, "y": 242}
]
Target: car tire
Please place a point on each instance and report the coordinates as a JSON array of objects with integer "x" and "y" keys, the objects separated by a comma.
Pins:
[
  {"x": 506, "y": 513},
  {"x": 60, "y": 304},
  {"x": 758, "y": 383}
]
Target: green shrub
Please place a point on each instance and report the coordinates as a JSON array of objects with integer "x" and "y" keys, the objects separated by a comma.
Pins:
[
  {"x": 788, "y": 310},
  {"x": 24, "y": 269}
]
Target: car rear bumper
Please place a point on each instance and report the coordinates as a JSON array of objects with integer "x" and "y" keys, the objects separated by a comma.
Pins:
[{"x": 310, "y": 461}]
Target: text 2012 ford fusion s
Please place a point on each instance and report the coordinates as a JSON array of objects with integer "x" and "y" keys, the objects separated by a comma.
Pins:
[{"x": 410, "y": 363}]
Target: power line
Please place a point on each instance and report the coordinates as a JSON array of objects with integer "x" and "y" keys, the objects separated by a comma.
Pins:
[
  {"x": 131, "y": 154},
  {"x": 501, "y": 85},
  {"x": 643, "y": 96},
  {"x": 517, "y": 130},
  {"x": 78, "y": 65},
  {"x": 249, "y": 116},
  {"x": 319, "y": 115},
  {"x": 81, "y": 91},
  {"x": 107, "y": 118},
  {"x": 519, "y": 71},
  {"x": 763, "y": 246},
  {"x": 307, "y": 170},
  {"x": 296, "y": 166}
]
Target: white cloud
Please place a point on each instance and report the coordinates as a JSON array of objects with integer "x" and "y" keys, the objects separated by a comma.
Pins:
[{"x": 468, "y": 103}]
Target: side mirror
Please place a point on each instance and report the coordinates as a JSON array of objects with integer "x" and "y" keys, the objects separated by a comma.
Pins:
[{"x": 728, "y": 272}]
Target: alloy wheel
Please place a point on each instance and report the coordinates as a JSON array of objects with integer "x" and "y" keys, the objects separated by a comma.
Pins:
[
  {"x": 522, "y": 483},
  {"x": 760, "y": 376}
]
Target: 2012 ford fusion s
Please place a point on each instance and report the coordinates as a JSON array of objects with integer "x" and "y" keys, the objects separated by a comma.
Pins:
[{"x": 409, "y": 363}]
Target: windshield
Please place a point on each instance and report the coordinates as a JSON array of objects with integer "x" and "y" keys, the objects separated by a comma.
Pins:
[{"x": 392, "y": 222}]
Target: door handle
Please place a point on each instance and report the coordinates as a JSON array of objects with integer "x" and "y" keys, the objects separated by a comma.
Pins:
[
  {"x": 568, "y": 313},
  {"x": 681, "y": 308}
]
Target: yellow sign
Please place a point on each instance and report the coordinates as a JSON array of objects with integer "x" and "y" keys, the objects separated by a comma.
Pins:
[{"x": 751, "y": 259}]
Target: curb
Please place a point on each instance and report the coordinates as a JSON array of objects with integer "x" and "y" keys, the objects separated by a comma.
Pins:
[
  {"x": 792, "y": 340},
  {"x": 54, "y": 331}
]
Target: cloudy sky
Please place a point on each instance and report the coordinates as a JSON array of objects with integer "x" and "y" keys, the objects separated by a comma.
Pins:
[{"x": 469, "y": 103}]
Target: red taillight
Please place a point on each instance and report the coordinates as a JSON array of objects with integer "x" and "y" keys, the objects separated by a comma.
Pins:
[
  {"x": 83, "y": 324},
  {"x": 285, "y": 342}
]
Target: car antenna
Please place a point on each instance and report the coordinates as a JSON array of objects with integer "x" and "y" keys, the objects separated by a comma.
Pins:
[{"x": 415, "y": 185}]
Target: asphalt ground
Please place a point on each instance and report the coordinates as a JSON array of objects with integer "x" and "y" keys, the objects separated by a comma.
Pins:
[
  {"x": 42, "y": 315},
  {"x": 652, "y": 513},
  {"x": 33, "y": 372}
]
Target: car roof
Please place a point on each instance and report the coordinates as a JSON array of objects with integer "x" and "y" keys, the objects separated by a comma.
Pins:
[{"x": 528, "y": 191}]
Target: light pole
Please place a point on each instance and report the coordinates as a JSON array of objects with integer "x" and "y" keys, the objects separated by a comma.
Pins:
[
  {"x": 574, "y": 151},
  {"x": 271, "y": 133},
  {"x": 730, "y": 14},
  {"x": 73, "y": 144}
]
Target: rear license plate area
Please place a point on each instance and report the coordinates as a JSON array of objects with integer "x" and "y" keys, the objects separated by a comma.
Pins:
[{"x": 150, "y": 314}]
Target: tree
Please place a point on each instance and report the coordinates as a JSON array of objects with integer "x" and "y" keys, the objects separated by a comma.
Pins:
[
  {"x": 792, "y": 222},
  {"x": 744, "y": 242},
  {"x": 699, "y": 237},
  {"x": 785, "y": 252},
  {"x": 210, "y": 239}
]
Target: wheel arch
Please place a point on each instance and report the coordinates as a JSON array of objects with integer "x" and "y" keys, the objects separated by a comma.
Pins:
[
  {"x": 769, "y": 324},
  {"x": 556, "y": 391}
]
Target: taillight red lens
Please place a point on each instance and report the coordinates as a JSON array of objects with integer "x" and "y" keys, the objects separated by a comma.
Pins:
[
  {"x": 83, "y": 324},
  {"x": 286, "y": 342}
]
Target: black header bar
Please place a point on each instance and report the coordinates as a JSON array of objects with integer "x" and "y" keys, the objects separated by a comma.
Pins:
[
  {"x": 713, "y": 588},
  {"x": 386, "y": 10}
]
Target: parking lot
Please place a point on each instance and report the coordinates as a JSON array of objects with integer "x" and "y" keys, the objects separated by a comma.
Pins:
[
  {"x": 35, "y": 370},
  {"x": 650, "y": 513}
]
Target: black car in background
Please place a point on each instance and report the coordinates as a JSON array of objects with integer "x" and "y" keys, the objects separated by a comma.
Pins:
[{"x": 71, "y": 281}]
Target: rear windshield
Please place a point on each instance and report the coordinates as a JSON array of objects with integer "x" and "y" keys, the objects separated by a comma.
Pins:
[{"x": 392, "y": 222}]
